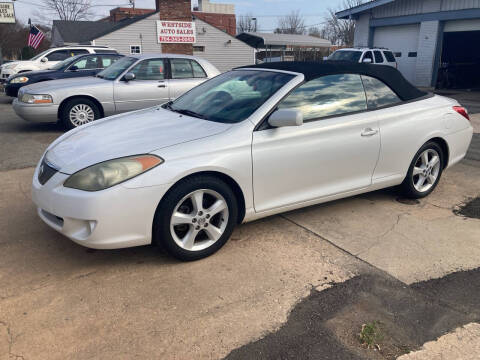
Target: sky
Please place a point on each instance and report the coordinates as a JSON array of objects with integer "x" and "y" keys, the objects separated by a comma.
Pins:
[{"x": 266, "y": 11}]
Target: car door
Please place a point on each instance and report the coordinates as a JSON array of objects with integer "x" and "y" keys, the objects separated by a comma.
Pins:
[
  {"x": 185, "y": 74},
  {"x": 86, "y": 66},
  {"x": 53, "y": 58},
  {"x": 149, "y": 88},
  {"x": 335, "y": 150}
]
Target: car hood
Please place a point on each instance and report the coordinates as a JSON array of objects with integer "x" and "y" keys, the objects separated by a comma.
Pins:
[
  {"x": 134, "y": 133},
  {"x": 54, "y": 85},
  {"x": 34, "y": 73}
]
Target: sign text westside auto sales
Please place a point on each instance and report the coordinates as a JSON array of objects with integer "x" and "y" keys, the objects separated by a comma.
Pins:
[{"x": 176, "y": 32}]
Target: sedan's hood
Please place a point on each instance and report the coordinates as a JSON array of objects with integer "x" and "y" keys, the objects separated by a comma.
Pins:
[
  {"x": 139, "y": 132},
  {"x": 48, "y": 86},
  {"x": 33, "y": 73}
]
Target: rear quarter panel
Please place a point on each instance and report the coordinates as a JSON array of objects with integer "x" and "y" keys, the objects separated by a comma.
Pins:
[{"x": 406, "y": 127}]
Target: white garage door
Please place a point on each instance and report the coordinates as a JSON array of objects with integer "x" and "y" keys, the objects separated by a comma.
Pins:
[{"x": 402, "y": 40}]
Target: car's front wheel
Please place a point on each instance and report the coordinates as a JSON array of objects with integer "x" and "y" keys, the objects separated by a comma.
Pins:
[
  {"x": 425, "y": 171},
  {"x": 78, "y": 112},
  {"x": 195, "y": 218}
]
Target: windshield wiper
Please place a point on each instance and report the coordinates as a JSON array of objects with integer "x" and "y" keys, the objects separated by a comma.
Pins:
[{"x": 187, "y": 112}]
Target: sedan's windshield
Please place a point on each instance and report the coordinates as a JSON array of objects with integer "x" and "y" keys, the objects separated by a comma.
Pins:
[
  {"x": 345, "y": 56},
  {"x": 231, "y": 97},
  {"x": 65, "y": 63},
  {"x": 117, "y": 68}
]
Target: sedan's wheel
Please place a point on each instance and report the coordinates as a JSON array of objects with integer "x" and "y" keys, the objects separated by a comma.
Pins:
[
  {"x": 424, "y": 172},
  {"x": 79, "y": 112},
  {"x": 195, "y": 218}
]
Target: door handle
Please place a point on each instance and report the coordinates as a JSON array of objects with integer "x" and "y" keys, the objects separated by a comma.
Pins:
[
  {"x": 162, "y": 84},
  {"x": 369, "y": 132}
]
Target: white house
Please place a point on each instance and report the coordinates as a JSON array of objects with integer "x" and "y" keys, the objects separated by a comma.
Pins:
[{"x": 436, "y": 42}]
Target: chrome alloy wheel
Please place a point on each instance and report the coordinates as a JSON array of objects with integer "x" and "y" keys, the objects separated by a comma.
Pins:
[
  {"x": 81, "y": 114},
  {"x": 426, "y": 170},
  {"x": 199, "y": 220}
]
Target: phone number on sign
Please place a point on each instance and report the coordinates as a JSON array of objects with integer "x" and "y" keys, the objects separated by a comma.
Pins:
[{"x": 176, "y": 39}]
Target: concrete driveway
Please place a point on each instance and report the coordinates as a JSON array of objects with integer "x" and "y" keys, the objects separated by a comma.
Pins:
[{"x": 61, "y": 301}]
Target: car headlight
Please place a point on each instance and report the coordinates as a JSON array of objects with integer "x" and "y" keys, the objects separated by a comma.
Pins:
[
  {"x": 19, "y": 80},
  {"x": 36, "y": 99},
  {"x": 112, "y": 172}
]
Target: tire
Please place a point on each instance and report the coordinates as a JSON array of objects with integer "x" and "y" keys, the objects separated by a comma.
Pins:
[
  {"x": 412, "y": 186},
  {"x": 209, "y": 227},
  {"x": 86, "y": 111}
]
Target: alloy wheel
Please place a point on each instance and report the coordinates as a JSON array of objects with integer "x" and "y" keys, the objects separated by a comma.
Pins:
[
  {"x": 81, "y": 114},
  {"x": 199, "y": 220},
  {"x": 426, "y": 170}
]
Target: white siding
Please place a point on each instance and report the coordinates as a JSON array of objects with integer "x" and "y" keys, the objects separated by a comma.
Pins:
[
  {"x": 221, "y": 49},
  {"x": 130, "y": 35},
  {"x": 362, "y": 28}
]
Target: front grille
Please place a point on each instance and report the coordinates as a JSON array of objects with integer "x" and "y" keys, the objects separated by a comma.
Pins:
[{"x": 45, "y": 172}]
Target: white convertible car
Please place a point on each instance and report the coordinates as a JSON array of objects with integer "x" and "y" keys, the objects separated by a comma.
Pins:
[{"x": 246, "y": 144}]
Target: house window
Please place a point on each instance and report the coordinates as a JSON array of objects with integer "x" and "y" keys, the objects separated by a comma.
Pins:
[
  {"x": 199, "y": 48},
  {"x": 135, "y": 49}
]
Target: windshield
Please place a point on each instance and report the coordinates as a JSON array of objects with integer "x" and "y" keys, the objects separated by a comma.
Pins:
[
  {"x": 231, "y": 97},
  {"x": 65, "y": 63},
  {"x": 116, "y": 69},
  {"x": 346, "y": 56},
  {"x": 40, "y": 55}
]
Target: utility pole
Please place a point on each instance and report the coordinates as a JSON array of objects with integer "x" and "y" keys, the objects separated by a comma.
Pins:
[{"x": 132, "y": 2}]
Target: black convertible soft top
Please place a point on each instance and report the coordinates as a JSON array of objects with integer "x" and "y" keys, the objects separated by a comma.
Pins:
[{"x": 312, "y": 70}]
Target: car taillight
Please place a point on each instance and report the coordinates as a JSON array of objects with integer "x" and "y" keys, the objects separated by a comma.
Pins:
[{"x": 462, "y": 111}]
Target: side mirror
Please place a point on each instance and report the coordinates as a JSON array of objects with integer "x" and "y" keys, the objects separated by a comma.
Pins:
[
  {"x": 367, "y": 61},
  {"x": 129, "y": 77},
  {"x": 73, "y": 68},
  {"x": 44, "y": 59},
  {"x": 286, "y": 117}
]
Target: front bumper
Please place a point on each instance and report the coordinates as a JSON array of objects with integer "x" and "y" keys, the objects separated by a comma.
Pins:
[
  {"x": 109, "y": 219},
  {"x": 36, "y": 113}
]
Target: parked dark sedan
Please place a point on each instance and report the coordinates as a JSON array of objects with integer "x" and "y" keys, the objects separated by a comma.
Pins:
[{"x": 77, "y": 66}]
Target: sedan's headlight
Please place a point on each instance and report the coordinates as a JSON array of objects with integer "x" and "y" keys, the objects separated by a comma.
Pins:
[
  {"x": 112, "y": 172},
  {"x": 19, "y": 80},
  {"x": 36, "y": 99}
]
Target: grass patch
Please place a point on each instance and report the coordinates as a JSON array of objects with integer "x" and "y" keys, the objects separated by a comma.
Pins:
[{"x": 370, "y": 336}]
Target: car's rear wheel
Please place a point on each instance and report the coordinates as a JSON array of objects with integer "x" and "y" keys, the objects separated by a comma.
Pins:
[
  {"x": 425, "y": 171},
  {"x": 195, "y": 218},
  {"x": 78, "y": 112}
]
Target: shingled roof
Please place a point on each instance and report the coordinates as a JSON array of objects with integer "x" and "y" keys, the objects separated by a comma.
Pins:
[{"x": 82, "y": 32}]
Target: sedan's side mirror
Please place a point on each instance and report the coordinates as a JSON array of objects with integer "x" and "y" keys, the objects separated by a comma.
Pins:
[
  {"x": 367, "y": 61},
  {"x": 73, "y": 68},
  {"x": 129, "y": 77},
  {"x": 286, "y": 117},
  {"x": 44, "y": 59}
]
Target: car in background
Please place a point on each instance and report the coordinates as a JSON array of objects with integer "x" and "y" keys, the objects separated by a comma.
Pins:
[
  {"x": 132, "y": 83},
  {"x": 74, "y": 67},
  {"x": 378, "y": 56},
  {"x": 48, "y": 58},
  {"x": 250, "y": 143}
]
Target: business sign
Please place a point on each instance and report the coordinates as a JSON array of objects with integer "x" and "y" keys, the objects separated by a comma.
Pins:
[
  {"x": 176, "y": 32},
  {"x": 7, "y": 13}
]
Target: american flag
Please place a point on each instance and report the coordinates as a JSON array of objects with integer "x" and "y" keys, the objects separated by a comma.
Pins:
[{"x": 35, "y": 37}]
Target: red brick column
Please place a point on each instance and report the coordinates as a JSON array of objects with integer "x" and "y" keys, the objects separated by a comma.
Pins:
[{"x": 175, "y": 10}]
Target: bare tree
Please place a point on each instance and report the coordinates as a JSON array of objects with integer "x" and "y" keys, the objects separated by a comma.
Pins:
[
  {"x": 294, "y": 23},
  {"x": 246, "y": 23},
  {"x": 338, "y": 31},
  {"x": 68, "y": 9}
]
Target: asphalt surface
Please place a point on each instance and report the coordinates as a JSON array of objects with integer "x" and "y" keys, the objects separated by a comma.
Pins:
[
  {"x": 326, "y": 324},
  {"x": 352, "y": 261}
]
